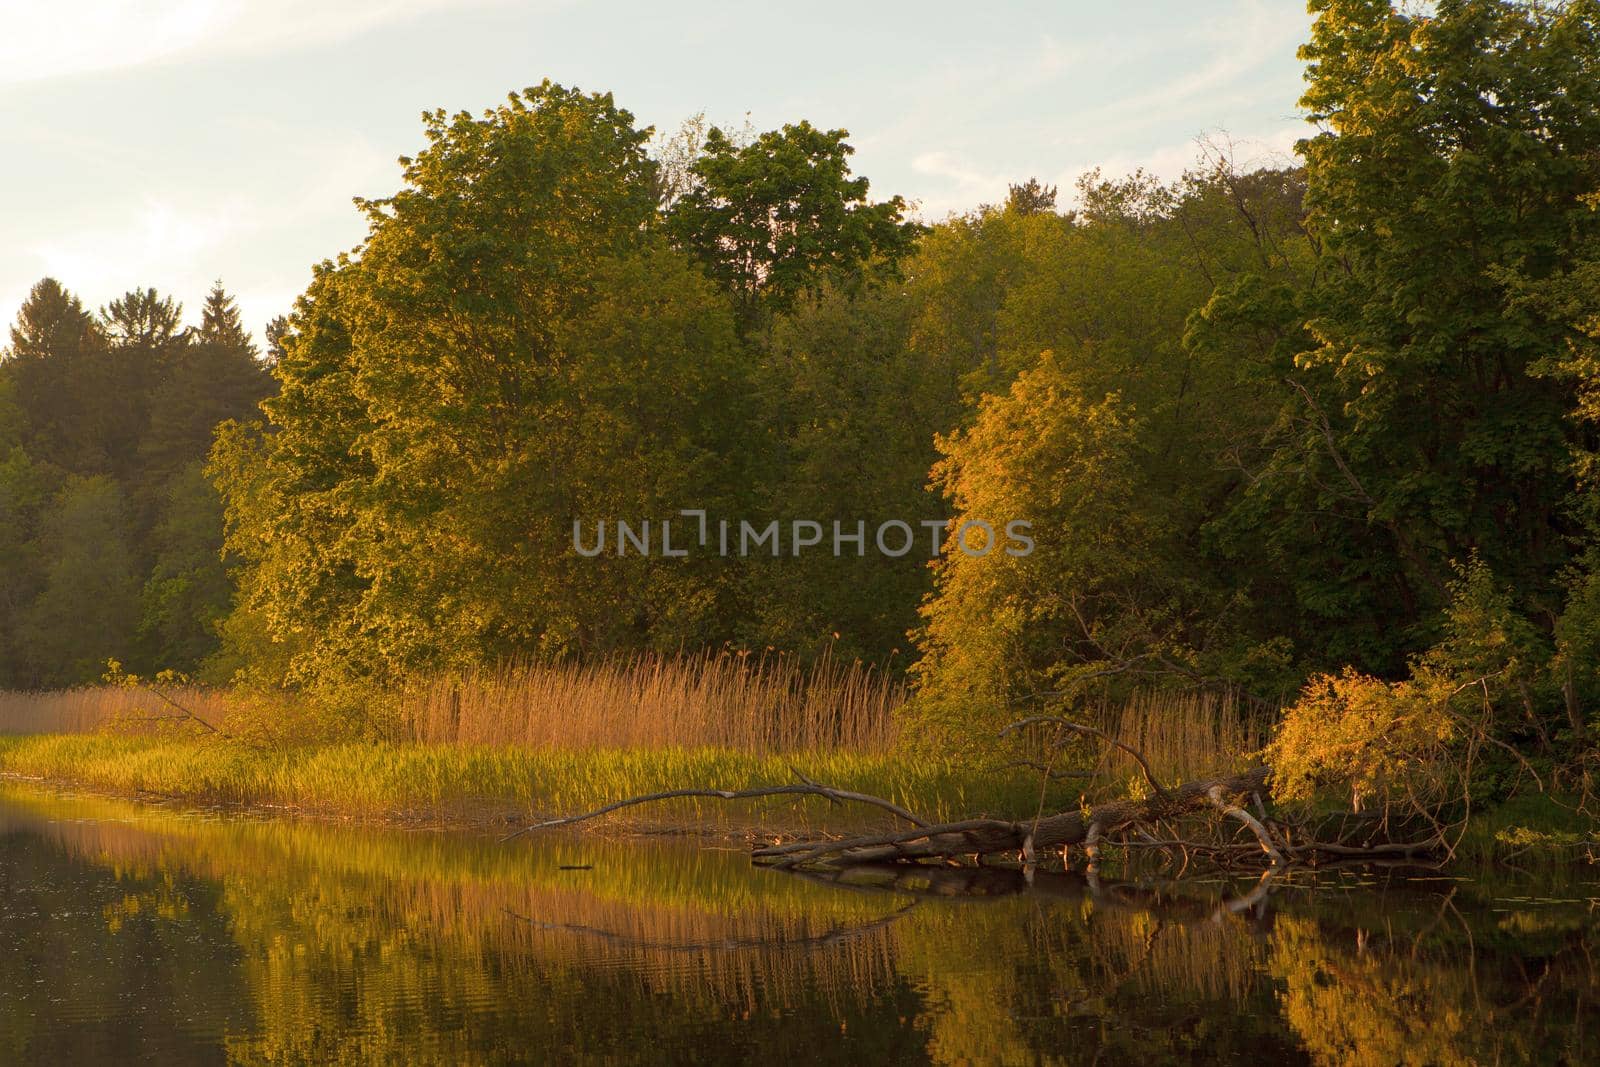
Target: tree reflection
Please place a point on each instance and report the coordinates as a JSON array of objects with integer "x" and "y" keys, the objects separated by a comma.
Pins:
[{"x": 270, "y": 941}]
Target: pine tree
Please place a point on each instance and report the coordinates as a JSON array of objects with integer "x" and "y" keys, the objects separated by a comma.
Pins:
[
  {"x": 213, "y": 377},
  {"x": 57, "y": 350}
]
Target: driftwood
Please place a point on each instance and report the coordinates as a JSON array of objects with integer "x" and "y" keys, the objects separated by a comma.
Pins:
[
  {"x": 1028, "y": 842},
  {"x": 988, "y": 837}
]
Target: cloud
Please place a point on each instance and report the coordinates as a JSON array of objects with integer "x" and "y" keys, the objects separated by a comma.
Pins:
[
  {"x": 75, "y": 37},
  {"x": 965, "y": 185}
]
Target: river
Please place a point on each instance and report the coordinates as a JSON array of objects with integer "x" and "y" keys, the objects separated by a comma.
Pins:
[{"x": 136, "y": 933}]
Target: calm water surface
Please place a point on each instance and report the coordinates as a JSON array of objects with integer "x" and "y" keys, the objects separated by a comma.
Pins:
[{"x": 137, "y": 934}]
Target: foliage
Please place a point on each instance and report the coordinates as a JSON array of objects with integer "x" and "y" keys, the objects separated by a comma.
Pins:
[
  {"x": 103, "y": 420},
  {"x": 771, "y": 217},
  {"x": 87, "y": 607},
  {"x": 1000, "y": 622},
  {"x": 1390, "y": 741},
  {"x": 459, "y": 393},
  {"x": 1415, "y": 742},
  {"x": 1453, "y": 152}
]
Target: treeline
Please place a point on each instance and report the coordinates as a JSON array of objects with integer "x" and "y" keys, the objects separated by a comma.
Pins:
[
  {"x": 1266, "y": 423},
  {"x": 110, "y": 534},
  {"x": 534, "y": 336}
]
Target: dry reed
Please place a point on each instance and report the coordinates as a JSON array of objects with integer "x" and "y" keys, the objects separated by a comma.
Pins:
[
  {"x": 725, "y": 700},
  {"x": 1185, "y": 735},
  {"x": 88, "y": 709}
]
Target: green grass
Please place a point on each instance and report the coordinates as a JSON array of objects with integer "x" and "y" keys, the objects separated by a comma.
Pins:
[{"x": 470, "y": 784}]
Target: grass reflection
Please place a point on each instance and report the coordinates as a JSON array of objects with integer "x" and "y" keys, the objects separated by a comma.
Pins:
[{"x": 293, "y": 942}]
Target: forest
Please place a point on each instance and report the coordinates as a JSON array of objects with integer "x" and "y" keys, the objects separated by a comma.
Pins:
[{"x": 1321, "y": 435}]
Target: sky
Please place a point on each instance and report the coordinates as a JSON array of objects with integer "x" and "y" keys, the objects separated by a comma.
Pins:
[{"x": 172, "y": 144}]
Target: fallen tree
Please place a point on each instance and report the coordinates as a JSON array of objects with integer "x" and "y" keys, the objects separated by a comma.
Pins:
[{"x": 1126, "y": 823}]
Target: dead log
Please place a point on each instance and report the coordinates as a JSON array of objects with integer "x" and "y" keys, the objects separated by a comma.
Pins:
[
  {"x": 1125, "y": 823},
  {"x": 988, "y": 837},
  {"x": 1233, "y": 811}
]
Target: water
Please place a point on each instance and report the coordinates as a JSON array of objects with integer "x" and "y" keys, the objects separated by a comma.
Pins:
[{"x": 139, "y": 934}]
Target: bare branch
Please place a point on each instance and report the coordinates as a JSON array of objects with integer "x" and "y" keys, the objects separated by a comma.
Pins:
[
  {"x": 806, "y": 788},
  {"x": 1090, "y": 731},
  {"x": 1214, "y": 794}
]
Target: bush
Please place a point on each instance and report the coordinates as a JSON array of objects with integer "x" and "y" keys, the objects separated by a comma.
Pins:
[{"x": 1396, "y": 742}]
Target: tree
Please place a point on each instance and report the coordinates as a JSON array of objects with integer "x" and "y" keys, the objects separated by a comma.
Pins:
[
  {"x": 771, "y": 218},
  {"x": 276, "y": 331},
  {"x": 1454, "y": 151},
  {"x": 1095, "y": 423},
  {"x": 510, "y": 351},
  {"x": 56, "y": 364},
  {"x": 87, "y": 610},
  {"x": 188, "y": 591},
  {"x": 1004, "y": 626},
  {"x": 25, "y": 487},
  {"x": 143, "y": 318},
  {"x": 1030, "y": 198},
  {"x": 849, "y": 410},
  {"x": 212, "y": 378}
]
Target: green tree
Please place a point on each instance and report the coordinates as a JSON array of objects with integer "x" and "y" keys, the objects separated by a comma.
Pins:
[
  {"x": 1031, "y": 197},
  {"x": 58, "y": 365},
  {"x": 25, "y": 487},
  {"x": 772, "y": 217},
  {"x": 213, "y": 377},
  {"x": 1455, "y": 146},
  {"x": 1006, "y": 627},
  {"x": 1079, "y": 321},
  {"x": 299, "y": 592},
  {"x": 188, "y": 590},
  {"x": 849, "y": 413},
  {"x": 509, "y": 352},
  {"x": 87, "y": 609}
]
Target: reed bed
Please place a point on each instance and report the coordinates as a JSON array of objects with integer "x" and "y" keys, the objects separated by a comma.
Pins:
[
  {"x": 93, "y": 708},
  {"x": 757, "y": 704},
  {"x": 1185, "y": 735}
]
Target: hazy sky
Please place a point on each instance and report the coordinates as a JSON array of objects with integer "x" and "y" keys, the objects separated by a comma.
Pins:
[{"x": 173, "y": 143}]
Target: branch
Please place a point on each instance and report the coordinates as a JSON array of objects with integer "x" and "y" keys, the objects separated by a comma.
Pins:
[
  {"x": 1214, "y": 794},
  {"x": 1080, "y": 728},
  {"x": 806, "y": 788}
]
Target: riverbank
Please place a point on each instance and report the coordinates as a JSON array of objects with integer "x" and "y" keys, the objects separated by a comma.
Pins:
[
  {"x": 495, "y": 788},
  {"x": 483, "y": 786}
]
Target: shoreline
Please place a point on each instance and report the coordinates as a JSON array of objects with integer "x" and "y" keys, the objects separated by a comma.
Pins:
[
  {"x": 462, "y": 821},
  {"x": 494, "y": 789}
]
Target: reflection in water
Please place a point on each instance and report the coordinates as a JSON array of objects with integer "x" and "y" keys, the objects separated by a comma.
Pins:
[{"x": 138, "y": 933}]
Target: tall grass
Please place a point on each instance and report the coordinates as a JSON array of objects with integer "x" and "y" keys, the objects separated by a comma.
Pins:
[
  {"x": 469, "y": 784},
  {"x": 565, "y": 738},
  {"x": 755, "y": 704},
  {"x": 89, "y": 709},
  {"x": 1184, "y": 735}
]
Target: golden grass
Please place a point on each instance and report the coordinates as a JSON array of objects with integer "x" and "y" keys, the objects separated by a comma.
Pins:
[
  {"x": 728, "y": 701},
  {"x": 558, "y": 739},
  {"x": 1184, "y": 735},
  {"x": 89, "y": 709},
  {"x": 469, "y": 783},
  {"x": 722, "y": 700}
]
